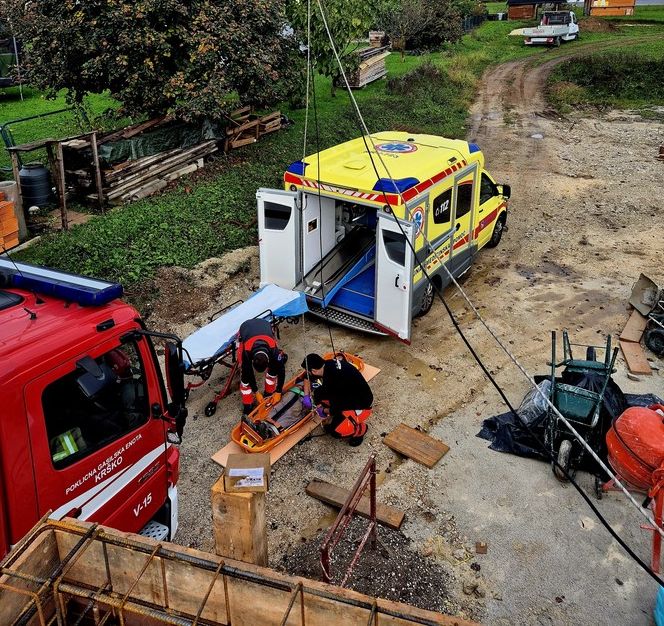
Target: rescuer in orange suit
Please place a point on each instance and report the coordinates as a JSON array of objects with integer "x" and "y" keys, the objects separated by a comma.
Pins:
[
  {"x": 258, "y": 350},
  {"x": 344, "y": 397}
]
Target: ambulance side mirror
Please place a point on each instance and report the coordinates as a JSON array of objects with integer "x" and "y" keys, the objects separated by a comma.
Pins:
[
  {"x": 175, "y": 373},
  {"x": 506, "y": 191}
]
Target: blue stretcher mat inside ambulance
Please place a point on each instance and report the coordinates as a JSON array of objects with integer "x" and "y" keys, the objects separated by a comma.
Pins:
[{"x": 215, "y": 338}]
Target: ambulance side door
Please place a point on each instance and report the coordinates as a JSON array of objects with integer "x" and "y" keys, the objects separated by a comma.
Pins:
[
  {"x": 394, "y": 276},
  {"x": 490, "y": 202},
  {"x": 464, "y": 194},
  {"x": 279, "y": 237}
]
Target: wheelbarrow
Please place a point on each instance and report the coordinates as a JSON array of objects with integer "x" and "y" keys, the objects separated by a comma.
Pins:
[{"x": 579, "y": 405}]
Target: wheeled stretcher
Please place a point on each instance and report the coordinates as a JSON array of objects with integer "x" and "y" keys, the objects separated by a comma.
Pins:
[{"x": 216, "y": 342}]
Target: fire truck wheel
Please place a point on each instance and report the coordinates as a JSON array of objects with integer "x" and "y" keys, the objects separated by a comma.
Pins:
[
  {"x": 427, "y": 300},
  {"x": 497, "y": 234},
  {"x": 564, "y": 454},
  {"x": 211, "y": 409}
]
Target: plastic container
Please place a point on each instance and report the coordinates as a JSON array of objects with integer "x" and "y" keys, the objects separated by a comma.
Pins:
[{"x": 35, "y": 185}]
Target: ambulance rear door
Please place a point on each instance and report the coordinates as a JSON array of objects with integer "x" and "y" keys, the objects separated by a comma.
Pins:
[
  {"x": 394, "y": 276},
  {"x": 279, "y": 237}
]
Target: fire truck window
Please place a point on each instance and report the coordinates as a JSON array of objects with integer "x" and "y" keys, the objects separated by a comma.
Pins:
[
  {"x": 441, "y": 207},
  {"x": 277, "y": 216},
  {"x": 78, "y": 425},
  {"x": 464, "y": 199},
  {"x": 487, "y": 189},
  {"x": 395, "y": 246}
]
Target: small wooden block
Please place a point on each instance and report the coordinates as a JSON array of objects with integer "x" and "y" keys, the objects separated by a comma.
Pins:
[
  {"x": 480, "y": 547},
  {"x": 635, "y": 358},
  {"x": 634, "y": 328},
  {"x": 336, "y": 496},
  {"x": 416, "y": 445}
]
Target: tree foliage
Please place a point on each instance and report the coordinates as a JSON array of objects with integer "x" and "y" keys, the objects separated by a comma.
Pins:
[
  {"x": 193, "y": 57},
  {"x": 348, "y": 20}
]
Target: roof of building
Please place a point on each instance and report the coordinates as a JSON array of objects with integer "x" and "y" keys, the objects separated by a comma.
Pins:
[{"x": 409, "y": 159}]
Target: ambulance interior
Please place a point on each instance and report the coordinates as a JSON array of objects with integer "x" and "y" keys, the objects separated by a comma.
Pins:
[{"x": 339, "y": 252}]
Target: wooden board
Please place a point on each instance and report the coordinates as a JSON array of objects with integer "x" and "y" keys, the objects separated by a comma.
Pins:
[
  {"x": 337, "y": 496},
  {"x": 416, "y": 445},
  {"x": 634, "y": 328},
  {"x": 221, "y": 456},
  {"x": 635, "y": 358}
]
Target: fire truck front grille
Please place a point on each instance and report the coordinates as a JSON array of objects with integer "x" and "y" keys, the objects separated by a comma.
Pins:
[{"x": 345, "y": 319}]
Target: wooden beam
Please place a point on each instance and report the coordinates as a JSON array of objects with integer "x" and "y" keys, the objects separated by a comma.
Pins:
[
  {"x": 97, "y": 169},
  {"x": 240, "y": 527},
  {"x": 336, "y": 496},
  {"x": 62, "y": 186},
  {"x": 635, "y": 358},
  {"x": 416, "y": 445},
  {"x": 634, "y": 328}
]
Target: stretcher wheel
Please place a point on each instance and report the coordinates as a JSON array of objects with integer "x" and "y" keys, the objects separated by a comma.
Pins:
[
  {"x": 211, "y": 409},
  {"x": 564, "y": 455}
]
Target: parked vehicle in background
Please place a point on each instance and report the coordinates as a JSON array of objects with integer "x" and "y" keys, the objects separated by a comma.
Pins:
[{"x": 554, "y": 27}]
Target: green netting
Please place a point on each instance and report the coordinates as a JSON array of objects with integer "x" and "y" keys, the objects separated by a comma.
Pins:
[{"x": 168, "y": 137}]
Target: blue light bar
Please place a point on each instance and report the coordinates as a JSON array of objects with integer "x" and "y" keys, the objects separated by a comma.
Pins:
[
  {"x": 70, "y": 287},
  {"x": 398, "y": 186},
  {"x": 297, "y": 167},
  {"x": 473, "y": 147}
]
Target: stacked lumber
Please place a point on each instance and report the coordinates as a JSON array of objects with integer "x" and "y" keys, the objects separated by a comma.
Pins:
[
  {"x": 376, "y": 38},
  {"x": 244, "y": 127},
  {"x": 133, "y": 180},
  {"x": 8, "y": 224},
  {"x": 371, "y": 67}
]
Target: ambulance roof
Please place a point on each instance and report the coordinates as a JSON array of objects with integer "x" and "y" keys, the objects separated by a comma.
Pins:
[{"x": 410, "y": 159}]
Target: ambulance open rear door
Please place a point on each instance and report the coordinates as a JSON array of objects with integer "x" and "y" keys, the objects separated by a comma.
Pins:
[
  {"x": 394, "y": 276},
  {"x": 279, "y": 237}
]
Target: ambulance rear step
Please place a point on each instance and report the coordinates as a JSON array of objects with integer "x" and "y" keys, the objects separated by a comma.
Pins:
[
  {"x": 345, "y": 319},
  {"x": 155, "y": 530}
]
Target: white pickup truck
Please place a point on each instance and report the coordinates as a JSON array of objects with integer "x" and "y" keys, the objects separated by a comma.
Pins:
[{"x": 555, "y": 26}]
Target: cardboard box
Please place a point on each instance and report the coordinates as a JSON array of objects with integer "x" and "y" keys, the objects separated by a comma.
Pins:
[{"x": 247, "y": 473}]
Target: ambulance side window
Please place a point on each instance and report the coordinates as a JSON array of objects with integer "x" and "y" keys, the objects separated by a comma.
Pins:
[
  {"x": 395, "y": 246},
  {"x": 78, "y": 424},
  {"x": 277, "y": 216},
  {"x": 441, "y": 207},
  {"x": 464, "y": 199},
  {"x": 487, "y": 189}
]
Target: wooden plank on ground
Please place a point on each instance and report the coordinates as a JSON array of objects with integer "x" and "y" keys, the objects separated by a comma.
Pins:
[
  {"x": 337, "y": 496},
  {"x": 221, "y": 456},
  {"x": 416, "y": 445},
  {"x": 634, "y": 328},
  {"x": 635, "y": 358}
]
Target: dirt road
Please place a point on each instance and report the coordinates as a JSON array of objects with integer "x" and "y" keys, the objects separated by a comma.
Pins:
[{"x": 585, "y": 220}]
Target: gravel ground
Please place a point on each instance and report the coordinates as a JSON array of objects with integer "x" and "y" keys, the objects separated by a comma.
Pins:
[{"x": 585, "y": 221}]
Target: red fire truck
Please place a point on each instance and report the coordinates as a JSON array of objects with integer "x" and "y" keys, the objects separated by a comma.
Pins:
[{"x": 85, "y": 411}]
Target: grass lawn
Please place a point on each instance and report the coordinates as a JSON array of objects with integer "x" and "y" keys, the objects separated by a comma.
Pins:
[
  {"x": 629, "y": 77},
  {"x": 214, "y": 211}
]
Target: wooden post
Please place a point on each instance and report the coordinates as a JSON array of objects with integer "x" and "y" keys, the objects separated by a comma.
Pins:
[
  {"x": 97, "y": 170},
  {"x": 240, "y": 530},
  {"x": 58, "y": 172},
  {"x": 18, "y": 206}
]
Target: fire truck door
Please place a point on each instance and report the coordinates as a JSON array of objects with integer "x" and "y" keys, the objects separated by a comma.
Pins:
[
  {"x": 394, "y": 276},
  {"x": 279, "y": 237}
]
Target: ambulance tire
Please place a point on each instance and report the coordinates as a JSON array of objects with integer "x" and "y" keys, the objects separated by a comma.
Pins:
[
  {"x": 497, "y": 234},
  {"x": 427, "y": 300}
]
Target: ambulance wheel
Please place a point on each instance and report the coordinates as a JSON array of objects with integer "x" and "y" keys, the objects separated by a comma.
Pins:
[
  {"x": 497, "y": 234},
  {"x": 427, "y": 300},
  {"x": 211, "y": 409},
  {"x": 654, "y": 340},
  {"x": 564, "y": 455}
]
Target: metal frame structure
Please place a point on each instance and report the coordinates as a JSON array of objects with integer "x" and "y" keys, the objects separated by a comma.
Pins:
[
  {"x": 51, "y": 603},
  {"x": 367, "y": 479}
]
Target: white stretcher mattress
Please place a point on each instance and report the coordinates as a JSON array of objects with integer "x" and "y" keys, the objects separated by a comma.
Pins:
[{"x": 214, "y": 338}]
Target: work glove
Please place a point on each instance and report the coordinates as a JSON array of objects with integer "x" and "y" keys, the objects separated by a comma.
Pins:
[
  {"x": 276, "y": 397},
  {"x": 321, "y": 412},
  {"x": 306, "y": 403},
  {"x": 259, "y": 397}
]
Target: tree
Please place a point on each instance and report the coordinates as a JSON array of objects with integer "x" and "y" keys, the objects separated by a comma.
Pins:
[
  {"x": 404, "y": 19},
  {"x": 193, "y": 57},
  {"x": 348, "y": 20}
]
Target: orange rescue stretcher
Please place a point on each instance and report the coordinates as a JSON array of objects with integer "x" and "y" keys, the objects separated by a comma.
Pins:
[{"x": 260, "y": 431}]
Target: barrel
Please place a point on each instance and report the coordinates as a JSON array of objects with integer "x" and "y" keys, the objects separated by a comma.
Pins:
[{"x": 35, "y": 185}]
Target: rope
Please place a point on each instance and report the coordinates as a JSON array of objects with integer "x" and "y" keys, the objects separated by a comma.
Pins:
[
  {"x": 492, "y": 333},
  {"x": 306, "y": 98}
]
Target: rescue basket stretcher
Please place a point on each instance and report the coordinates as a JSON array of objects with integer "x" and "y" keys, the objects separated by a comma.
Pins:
[
  {"x": 215, "y": 343},
  {"x": 261, "y": 430}
]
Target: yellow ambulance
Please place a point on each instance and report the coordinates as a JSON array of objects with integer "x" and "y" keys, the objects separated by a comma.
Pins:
[{"x": 341, "y": 231}]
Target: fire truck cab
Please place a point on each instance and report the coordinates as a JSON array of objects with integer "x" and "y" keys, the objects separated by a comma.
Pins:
[
  {"x": 357, "y": 221},
  {"x": 85, "y": 410}
]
